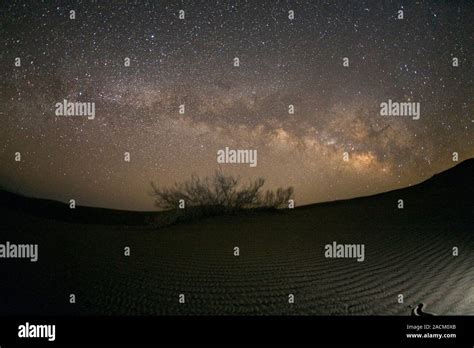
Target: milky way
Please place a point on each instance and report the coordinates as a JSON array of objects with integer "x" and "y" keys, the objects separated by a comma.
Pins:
[{"x": 190, "y": 62}]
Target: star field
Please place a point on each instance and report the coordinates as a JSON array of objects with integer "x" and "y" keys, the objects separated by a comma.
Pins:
[{"x": 189, "y": 62}]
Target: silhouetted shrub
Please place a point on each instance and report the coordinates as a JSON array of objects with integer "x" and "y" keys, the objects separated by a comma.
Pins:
[{"x": 216, "y": 195}]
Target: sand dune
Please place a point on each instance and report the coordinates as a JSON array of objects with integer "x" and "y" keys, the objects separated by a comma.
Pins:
[{"x": 407, "y": 252}]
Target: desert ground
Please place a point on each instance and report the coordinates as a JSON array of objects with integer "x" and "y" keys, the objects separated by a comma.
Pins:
[{"x": 407, "y": 251}]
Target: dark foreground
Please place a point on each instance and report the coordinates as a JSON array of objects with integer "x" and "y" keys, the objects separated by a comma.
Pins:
[{"x": 407, "y": 251}]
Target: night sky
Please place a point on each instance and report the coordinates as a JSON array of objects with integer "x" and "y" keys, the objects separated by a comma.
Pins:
[{"x": 190, "y": 61}]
